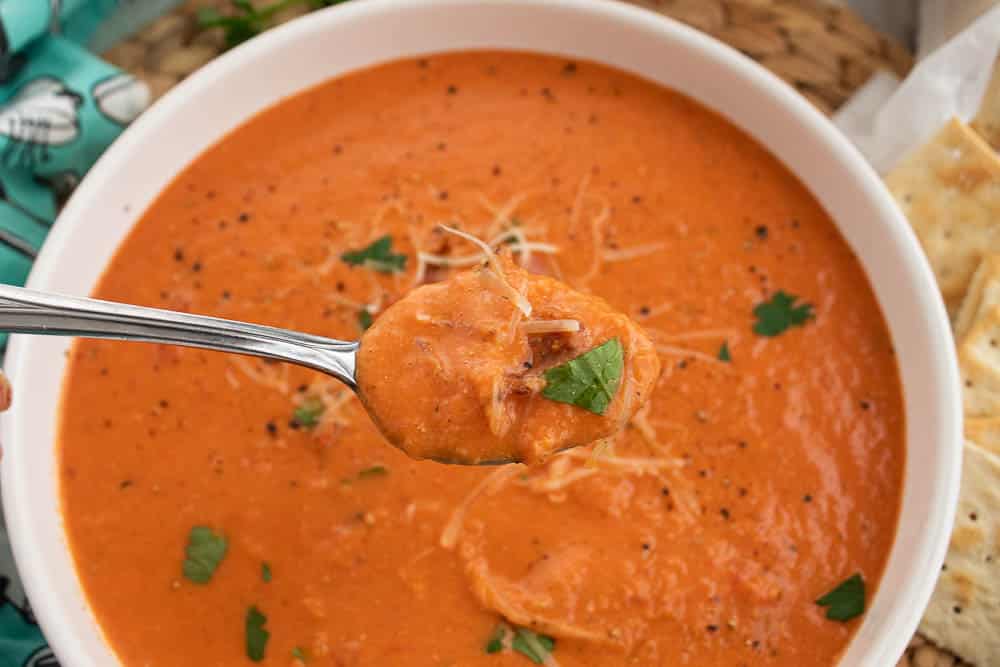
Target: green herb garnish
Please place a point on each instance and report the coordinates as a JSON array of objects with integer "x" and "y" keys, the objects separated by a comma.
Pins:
[
  {"x": 299, "y": 653},
  {"x": 588, "y": 381},
  {"x": 495, "y": 643},
  {"x": 780, "y": 313},
  {"x": 364, "y": 319},
  {"x": 724, "y": 352},
  {"x": 846, "y": 601},
  {"x": 521, "y": 645},
  {"x": 374, "y": 471},
  {"x": 246, "y": 21},
  {"x": 205, "y": 550},
  {"x": 377, "y": 256},
  {"x": 308, "y": 413},
  {"x": 265, "y": 572},
  {"x": 256, "y": 635}
]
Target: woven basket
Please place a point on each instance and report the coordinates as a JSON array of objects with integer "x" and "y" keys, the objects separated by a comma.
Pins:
[{"x": 825, "y": 51}]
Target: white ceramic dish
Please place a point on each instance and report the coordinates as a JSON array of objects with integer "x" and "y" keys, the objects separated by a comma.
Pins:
[{"x": 324, "y": 45}]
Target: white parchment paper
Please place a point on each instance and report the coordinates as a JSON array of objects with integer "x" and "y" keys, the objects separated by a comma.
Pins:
[{"x": 888, "y": 117}]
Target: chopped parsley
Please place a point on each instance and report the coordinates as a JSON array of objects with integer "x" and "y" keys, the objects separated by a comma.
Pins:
[
  {"x": 532, "y": 645},
  {"x": 377, "y": 256},
  {"x": 588, "y": 381},
  {"x": 542, "y": 642},
  {"x": 724, "y": 352},
  {"x": 374, "y": 471},
  {"x": 776, "y": 316},
  {"x": 309, "y": 411},
  {"x": 256, "y": 634},
  {"x": 846, "y": 601},
  {"x": 299, "y": 653},
  {"x": 495, "y": 643},
  {"x": 364, "y": 319},
  {"x": 205, "y": 550},
  {"x": 265, "y": 572}
]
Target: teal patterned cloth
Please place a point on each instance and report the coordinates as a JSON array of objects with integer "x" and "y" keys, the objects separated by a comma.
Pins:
[{"x": 60, "y": 107}]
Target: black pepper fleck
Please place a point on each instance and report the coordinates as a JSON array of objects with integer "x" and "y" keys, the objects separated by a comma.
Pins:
[
  {"x": 807, "y": 498},
  {"x": 452, "y": 89},
  {"x": 244, "y": 218}
]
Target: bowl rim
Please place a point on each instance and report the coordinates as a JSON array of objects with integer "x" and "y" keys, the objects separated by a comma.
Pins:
[{"x": 907, "y": 608}]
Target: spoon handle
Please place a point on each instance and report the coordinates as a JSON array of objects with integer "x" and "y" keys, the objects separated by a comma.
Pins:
[{"x": 33, "y": 312}]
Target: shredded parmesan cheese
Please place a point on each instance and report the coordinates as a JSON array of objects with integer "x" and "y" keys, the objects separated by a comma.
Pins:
[
  {"x": 597, "y": 234},
  {"x": 672, "y": 351},
  {"x": 626, "y": 254},
  {"x": 538, "y": 327},
  {"x": 491, "y": 591},
  {"x": 272, "y": 376},
  {"x": 491, "y": 483},
  {"x": 693, "y": 335},
  {"x": 518, "y": 299}
]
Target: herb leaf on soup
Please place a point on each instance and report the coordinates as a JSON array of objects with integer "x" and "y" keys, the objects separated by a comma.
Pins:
[
  {"x": 776, "y": 316},
  {"x": 299, "y": 653},
  {"x": 534, "y": 646},
  {"x": 724, "y": 352},
  {"x": 374, "y": 471},
  {"x": 307, "y": 414},
  {"x": 588, "y": 381},
  {"x": 265, "y": 572},
  {"x": 364, "y": 319},
  {"x": 205, "y": 550},
  {"x": 377, "y": 256},
  {"x": 495, "y": 643},
  {"x": 846, "y": 601},
  {"x": 256, "y": 634}
]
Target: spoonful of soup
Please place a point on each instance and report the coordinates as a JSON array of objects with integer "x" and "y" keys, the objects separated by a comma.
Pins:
[{"x": 492, "y": 365}]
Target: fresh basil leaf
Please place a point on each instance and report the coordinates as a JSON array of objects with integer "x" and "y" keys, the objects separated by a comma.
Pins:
[
  {"x": 205, "y": 550},
  {"x": 776, "y": 316},
  {"x": 308, "y": 413},
  {"x": 377, "y": 256},
  {"x": 495, "y": 643},
  {"x": 265, "y": 572},
  {"x": 588, "y": 381},
  {"x": 256, "y": 634},
  {"x": 724, "y": 352},
  {"x": 846, "y": 601},
  {"x": 374, "y": 471},
  {"x": 521, "y": 645},
  {"x": 364, "y": 319}
]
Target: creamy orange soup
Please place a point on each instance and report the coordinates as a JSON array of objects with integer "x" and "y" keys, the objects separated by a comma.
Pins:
[{"x": 764, "y": 471}]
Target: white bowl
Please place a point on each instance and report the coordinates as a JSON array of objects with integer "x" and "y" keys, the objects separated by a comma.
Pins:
[{"x": 345, "y": 38}]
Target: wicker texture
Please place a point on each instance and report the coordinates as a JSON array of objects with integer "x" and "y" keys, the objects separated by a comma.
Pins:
[{"x": 825, "y": 51}]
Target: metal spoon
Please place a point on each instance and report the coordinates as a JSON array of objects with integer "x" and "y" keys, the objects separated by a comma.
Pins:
[{"x": 33, "y": 312}]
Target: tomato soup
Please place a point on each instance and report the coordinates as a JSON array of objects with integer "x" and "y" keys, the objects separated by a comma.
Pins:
[{"x": 223, "y": 511}]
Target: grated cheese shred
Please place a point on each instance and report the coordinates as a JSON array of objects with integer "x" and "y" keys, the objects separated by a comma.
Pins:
[
  {"x": 519, "y": 300},
  {"x": 491, "y": 484},
  {"x": 538, "y": 327}
]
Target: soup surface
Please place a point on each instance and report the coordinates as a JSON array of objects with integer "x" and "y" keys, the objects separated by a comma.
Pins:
[{"x": 765, "y": 470}]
